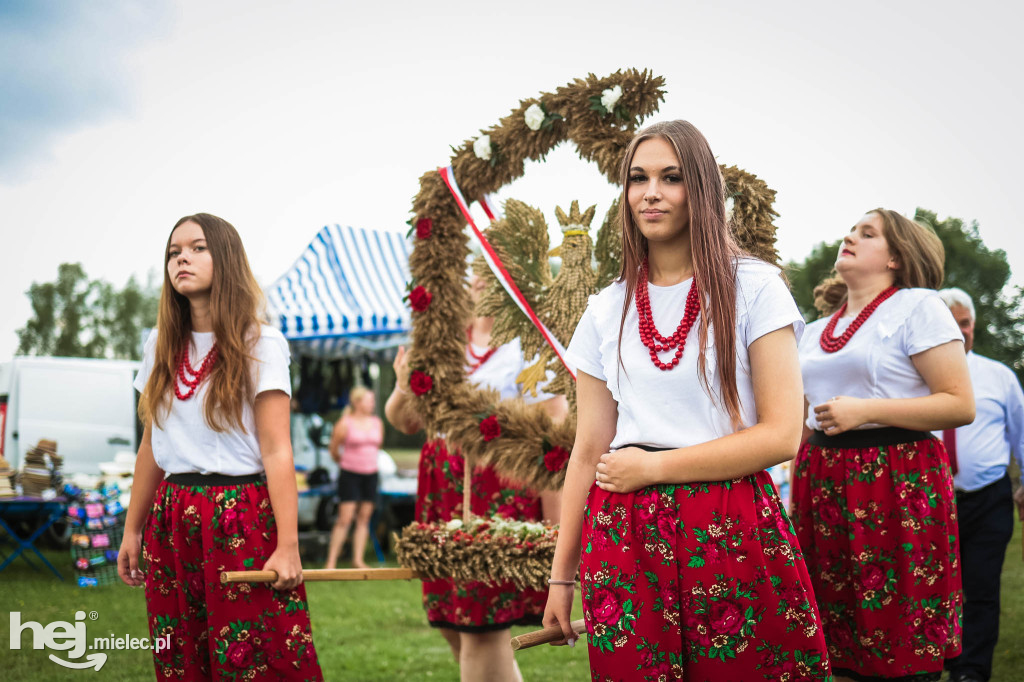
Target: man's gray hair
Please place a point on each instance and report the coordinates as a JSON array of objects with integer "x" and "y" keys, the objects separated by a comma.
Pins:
[{"x": 954, "y": 296}]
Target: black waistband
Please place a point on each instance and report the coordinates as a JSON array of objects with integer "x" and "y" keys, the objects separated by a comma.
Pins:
[
  {"x": 194, "y": 478},
  {"x": 647, "y": 448},
  {"x": 868, "y": 438}
]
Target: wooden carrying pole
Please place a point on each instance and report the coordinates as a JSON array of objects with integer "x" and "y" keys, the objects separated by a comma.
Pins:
[
  {"x": 323, "y": 574},
  {"x": 545, "y": 636}
]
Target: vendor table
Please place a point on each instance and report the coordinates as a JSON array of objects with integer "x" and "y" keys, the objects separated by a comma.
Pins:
[{"x": 47, "y": 511}]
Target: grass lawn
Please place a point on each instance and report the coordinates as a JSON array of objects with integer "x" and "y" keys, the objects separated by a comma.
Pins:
[{"x": 363, "y": 631}]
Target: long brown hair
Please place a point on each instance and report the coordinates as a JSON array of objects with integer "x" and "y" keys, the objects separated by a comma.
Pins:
[
  {"x": 918, "y": 252},
  {"x": 714, "y": 252},
  {"x": 236, "y": 306}
]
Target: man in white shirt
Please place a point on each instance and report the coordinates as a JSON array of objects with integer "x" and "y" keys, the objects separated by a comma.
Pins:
[{"x": 979, "y": 454}]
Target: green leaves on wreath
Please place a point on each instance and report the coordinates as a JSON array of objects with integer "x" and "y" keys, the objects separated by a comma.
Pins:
[
  {"x": 550, "y": 116},
  {"x": 619, "y": 112}
]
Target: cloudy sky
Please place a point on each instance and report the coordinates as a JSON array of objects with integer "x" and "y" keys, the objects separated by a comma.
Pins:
[{"x": 117, "y": 118}]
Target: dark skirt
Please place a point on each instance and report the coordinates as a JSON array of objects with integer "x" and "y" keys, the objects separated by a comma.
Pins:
[
  {"x": 473, "y": 606},
  {"x": 237, "y": 631},
  {"x": 702, "y": 581},
  {"x": 875, "y": 512}
]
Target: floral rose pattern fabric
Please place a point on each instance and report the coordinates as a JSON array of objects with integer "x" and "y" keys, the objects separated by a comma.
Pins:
[
  {"x": 697, "y": 582},
  {"x": 880, "y": 532},
  {"x": 474, "y": 606},
  {"x": 242, "y": 631}
]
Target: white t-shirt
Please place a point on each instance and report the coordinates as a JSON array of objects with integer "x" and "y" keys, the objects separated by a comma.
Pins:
[
  {"x": 185, "y": 443},
  {"x": 876, "y": 363},
  {"x": 501, "y": 370},
  {"x": 672, "y": 409}
]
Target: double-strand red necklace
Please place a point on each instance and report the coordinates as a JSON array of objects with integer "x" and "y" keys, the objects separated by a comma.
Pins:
[
  {"x": 649, "y": 336},
  {"x": 192, "y": 377},
  {"x": 829, "y": 343},
  {"x": 478, "y": 360}
]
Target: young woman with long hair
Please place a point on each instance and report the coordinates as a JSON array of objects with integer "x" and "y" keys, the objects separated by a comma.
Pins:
[
  {"x": 873, "y": 493},
  {"x": 475, "y": 617},
  {"x": 688, "y": 388},
  {"x": 214, "y": 486},
  {"x": 355, "y": 443}
]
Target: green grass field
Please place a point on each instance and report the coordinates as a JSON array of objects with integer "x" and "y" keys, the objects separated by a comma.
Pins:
[{"x": 363, "y": 631}]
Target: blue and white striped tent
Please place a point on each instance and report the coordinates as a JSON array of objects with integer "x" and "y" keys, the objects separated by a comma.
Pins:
[{"x": 343, "y": 296}]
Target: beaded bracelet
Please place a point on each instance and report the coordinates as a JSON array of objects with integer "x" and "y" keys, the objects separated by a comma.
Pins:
[{"x": 552, "y": 581}]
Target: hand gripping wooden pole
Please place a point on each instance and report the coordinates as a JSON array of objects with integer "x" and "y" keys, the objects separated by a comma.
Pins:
[
  {"x": 545, "y": 636},
  {"x": 323, "y": 575}
]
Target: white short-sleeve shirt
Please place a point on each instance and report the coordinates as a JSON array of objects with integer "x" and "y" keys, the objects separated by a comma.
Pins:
[
  {"x": 875, "y": 362},
  {"x": 185, "y": 443},
  {"x": 673, "y": 409}
]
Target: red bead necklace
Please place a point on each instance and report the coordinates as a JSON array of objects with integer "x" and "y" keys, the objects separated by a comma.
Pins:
[
  {"x": 649, "y": 336},
  {"x": 830, "y": 343},
  {"x": 479, "y": 359},
  {"x": 192, "y": 377}
]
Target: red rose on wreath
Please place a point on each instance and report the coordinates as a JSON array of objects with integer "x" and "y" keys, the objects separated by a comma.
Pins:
[
  {"x": 556, "y": 458},
  {"x": 423, "y": 226},
  {"x": 420, "y": 383},
  {"x": 490, "y": 428},
  {"x": 419, "y": 299}
]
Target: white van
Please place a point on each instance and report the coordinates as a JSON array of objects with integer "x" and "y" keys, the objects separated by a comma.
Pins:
[{"x": 88, "y": 406}]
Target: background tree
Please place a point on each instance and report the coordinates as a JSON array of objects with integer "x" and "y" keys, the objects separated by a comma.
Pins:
[
  {"x": 970, "y": 265},
  {"x": 806, "y": 275},
  {"x": 78, "y": 317}
]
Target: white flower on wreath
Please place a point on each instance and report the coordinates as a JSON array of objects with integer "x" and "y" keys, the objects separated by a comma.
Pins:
[
  {"x": 610, "y": 97},
  {"x": 482, "y": 147},
  {"x": 730, "y": 204},
  {"x": 454, "y": 524},
  {"x": 534, "y": 116}
]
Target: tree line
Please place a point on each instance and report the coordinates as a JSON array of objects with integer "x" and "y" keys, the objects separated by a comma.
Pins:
[{"x": 75, "y": 316}]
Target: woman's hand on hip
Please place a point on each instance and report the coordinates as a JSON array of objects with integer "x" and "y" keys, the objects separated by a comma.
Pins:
[
  {"x": 840, "y": 414},
  {"x": 625, "y": 470}
]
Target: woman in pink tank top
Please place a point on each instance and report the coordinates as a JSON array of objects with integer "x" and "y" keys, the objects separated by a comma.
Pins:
[{"x": 355, "y": 442}]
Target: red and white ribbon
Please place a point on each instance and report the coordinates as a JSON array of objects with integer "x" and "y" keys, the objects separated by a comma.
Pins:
[
  {"x": 497, "y": 267},
  {"x": 492, "y": 209}
]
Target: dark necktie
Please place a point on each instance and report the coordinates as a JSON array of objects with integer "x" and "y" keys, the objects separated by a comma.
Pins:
[{"x": 949, "y": 438}]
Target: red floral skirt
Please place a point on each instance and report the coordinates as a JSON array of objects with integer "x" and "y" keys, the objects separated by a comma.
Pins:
[
  {"x": 879, "y": 529},
  {"x": 703, "y": 581},
  {"x": 473, "y": 606},
  {"x": 242, "y": 631}
]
